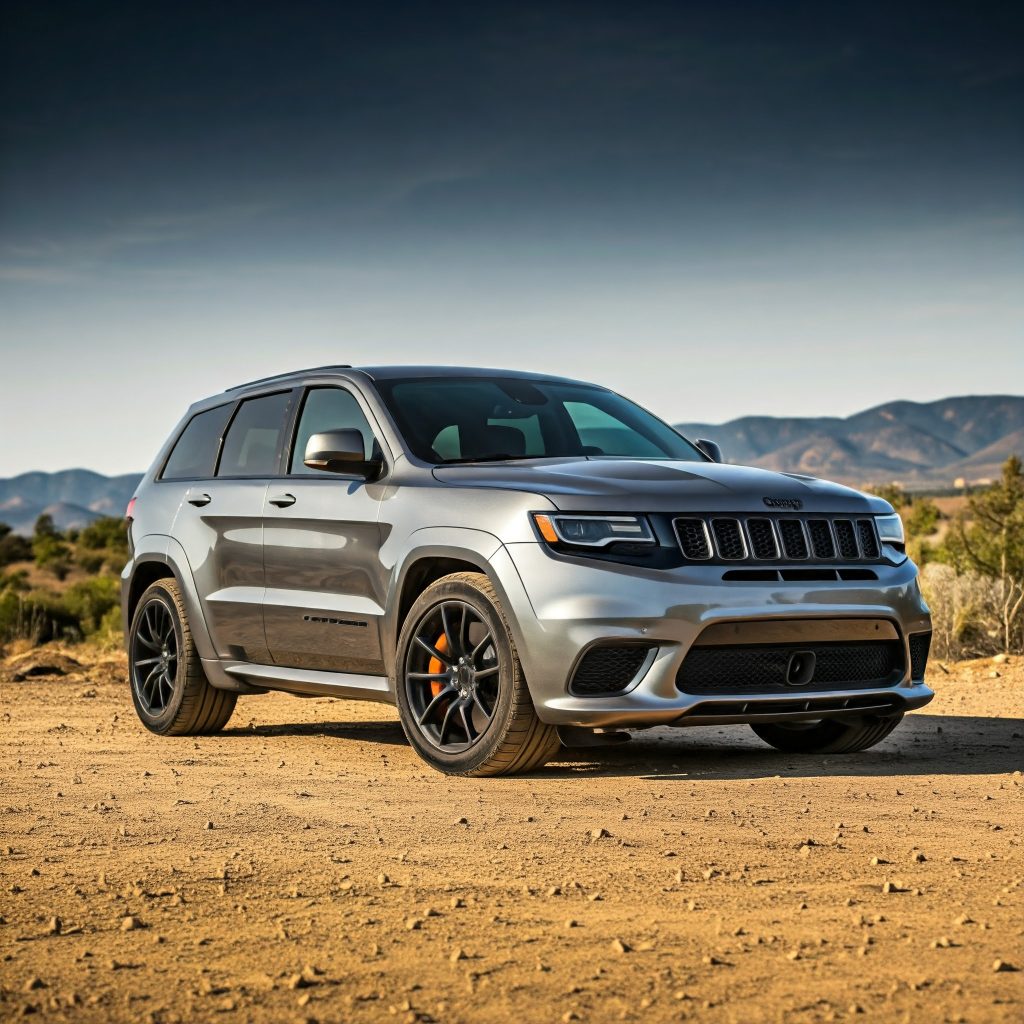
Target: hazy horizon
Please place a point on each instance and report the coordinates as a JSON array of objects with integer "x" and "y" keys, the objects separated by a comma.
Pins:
[{"x": 719, "y": 210}]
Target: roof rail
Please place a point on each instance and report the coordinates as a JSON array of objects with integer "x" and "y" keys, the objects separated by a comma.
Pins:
[{"x": 290, "y": 373}]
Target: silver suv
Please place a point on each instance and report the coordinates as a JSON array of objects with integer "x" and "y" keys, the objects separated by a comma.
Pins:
[{"x": 514, "y": 560}]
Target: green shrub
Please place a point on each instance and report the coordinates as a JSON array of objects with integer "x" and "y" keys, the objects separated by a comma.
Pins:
[{"x": 90, "y": 600}]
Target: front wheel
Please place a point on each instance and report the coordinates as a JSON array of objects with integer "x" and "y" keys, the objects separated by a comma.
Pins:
[
  {"x": 829, "y": 736},
  {"x": 462, "y": 698}
]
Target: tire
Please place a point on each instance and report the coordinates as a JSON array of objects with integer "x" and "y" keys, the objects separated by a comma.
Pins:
[
  {"x": 472, "y": 715},
  {"x": 170, "y": 691},
  {"x": 830, "y": 736}
]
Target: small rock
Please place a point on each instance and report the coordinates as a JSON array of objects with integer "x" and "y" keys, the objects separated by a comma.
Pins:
[
  {"x": 297, "y": 981},
  {"x": 35, "y": 983},
  {"x": 618, "y": 946},
  {"x": 208, "y": 827},
  {"x": 54, "y": 927},
  {"x": 600, "y": 833},
  {"x": 457, "y": 955},
  {"x": 130, "y": 923},
  {"x": 414, "y": 924},
  {"x": 1001, "y": 966}
]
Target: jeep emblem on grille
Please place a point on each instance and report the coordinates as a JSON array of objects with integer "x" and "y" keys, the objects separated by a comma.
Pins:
[{"x": 793, "y": 503}]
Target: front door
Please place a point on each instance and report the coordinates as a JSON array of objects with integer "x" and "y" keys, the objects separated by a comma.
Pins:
[{"x": 325, "y": 594}]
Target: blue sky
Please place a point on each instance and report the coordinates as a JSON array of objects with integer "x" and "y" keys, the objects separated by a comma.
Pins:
[{"x": 718, "y": 209}]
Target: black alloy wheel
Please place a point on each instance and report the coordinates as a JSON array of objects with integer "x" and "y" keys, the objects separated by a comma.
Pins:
[
  {"x": 462, "y": 695},
  {"x": 154, "y": 657},
  {"x": 452, "y": 676}
]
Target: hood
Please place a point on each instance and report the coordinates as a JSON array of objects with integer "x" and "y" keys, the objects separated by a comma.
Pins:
[{"x": 634, "y": 485}]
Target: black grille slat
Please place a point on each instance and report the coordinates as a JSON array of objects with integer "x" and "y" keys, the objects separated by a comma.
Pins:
[
  {"x": 821, "y": 538},
  {"x": 762, "y": 538},
  {"x": 728, "y": 539},
  {"x": 693, "y": 538},
  {"x": 604, "y": 670},
  {"x": 794, "y": 543},
  {"x": 919, "y": 645},
  {"x": 845, "y": 538},
  {"x": 868, "y": 539},
  {"x": 757, "y": 668}
]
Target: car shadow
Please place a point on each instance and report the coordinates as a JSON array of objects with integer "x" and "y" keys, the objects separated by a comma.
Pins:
[
  {"x": 922, "y": 745},
  {"x": 389, "y": 732}
]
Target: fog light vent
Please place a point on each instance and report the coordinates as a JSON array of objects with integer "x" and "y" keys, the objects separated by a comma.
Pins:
[
  {"x": 919, "y": 644},
  {"x": 603, "y": 670}
]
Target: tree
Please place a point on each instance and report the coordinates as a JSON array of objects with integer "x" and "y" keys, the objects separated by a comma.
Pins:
[
  {"x": 12, "y": 547},
  {"x": 989, "y": 538},
  {"x": 49, "y": 548}
]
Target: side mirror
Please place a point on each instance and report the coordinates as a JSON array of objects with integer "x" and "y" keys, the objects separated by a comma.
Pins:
[
  {"x": 710, "y": 449},
  {"x": 340, "y": 451}
]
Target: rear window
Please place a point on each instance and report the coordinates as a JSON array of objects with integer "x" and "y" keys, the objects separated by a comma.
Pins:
[
  {"x": 195, "y": 452},
  {"x": 252, "y": 446}
]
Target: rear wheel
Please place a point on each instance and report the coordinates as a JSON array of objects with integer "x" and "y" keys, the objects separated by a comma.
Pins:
[
  {"x": 170, "y": 691},
  {"x": 462, "y": 698},
  {"x": 829, "y": 736}
]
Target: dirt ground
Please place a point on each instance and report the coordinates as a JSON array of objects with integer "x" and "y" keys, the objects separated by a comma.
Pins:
[{"x": 306, "y": 866}]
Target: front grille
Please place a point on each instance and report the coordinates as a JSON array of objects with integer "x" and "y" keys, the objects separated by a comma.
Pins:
[
  {"x": 604, "y": 670},
  {"x": 868, "y": 541},
  {"x": 919, "y": 644},
  {"x": 846, "y": 538},
  {"x": 762, "y": 538},
  {"x": 728, "y": 538},
  {"x": 781, "y": 537},
  {"x": 693, "y": 538},
  {"x": 821, "y": 538},
  {"x": 762, "y": 668},
  {"x": 793, "y": 539}
]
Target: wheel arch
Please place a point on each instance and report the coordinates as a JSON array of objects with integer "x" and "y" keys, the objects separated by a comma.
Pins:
[
  {"x": 433, "y": 554},
  {"x": 156, "y": 558}
]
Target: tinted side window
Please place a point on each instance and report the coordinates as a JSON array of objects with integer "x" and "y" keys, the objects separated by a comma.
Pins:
[
  {"x": 254, "y": 437},
  {"x": 195, "y": 452},
  {"x": 328, "y": 409}
]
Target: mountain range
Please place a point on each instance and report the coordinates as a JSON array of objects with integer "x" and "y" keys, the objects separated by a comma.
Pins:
[
  {"x": 73, "y": 497},
  {"x": 929, "y": 445},
  {"x": 919, "y": 445}
]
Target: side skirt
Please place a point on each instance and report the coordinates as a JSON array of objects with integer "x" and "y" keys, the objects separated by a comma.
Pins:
[{"x": 307, "y": 682}]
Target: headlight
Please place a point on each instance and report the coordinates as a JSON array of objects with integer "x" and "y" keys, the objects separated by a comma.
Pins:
[
  {"x": 890, "y": 529},
  {"x": 593, "y": 531}
]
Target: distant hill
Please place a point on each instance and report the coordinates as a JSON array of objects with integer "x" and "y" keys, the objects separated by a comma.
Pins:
[
  {"x": 74, "y": 497},
  {"x": 915, "y": 444}
]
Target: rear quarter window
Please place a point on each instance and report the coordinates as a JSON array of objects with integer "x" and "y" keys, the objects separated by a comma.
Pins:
[{"x": 194, "y": 454}]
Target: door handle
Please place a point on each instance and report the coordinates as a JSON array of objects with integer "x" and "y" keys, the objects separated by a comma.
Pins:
[
  {"x": 199, "y": 500},
  {"x": 282, "y": 500}
]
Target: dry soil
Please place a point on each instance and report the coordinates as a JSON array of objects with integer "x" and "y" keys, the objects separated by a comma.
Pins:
[{"x": 305, "y": 865}]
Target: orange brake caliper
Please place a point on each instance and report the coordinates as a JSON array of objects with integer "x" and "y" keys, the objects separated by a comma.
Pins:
[{"x": 435, "y": 665}]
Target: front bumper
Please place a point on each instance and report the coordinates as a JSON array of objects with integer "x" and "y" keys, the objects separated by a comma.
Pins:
[{"x": 560, "y": 607}]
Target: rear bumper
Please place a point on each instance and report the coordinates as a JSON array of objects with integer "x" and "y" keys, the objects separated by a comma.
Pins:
[{"x": 560, "y": 607}]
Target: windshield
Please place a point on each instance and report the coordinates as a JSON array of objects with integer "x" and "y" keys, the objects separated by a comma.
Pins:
[{"x": 463, "y": 419}]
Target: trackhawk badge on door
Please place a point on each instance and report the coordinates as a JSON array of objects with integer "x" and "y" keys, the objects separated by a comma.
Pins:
[{"x": 793, "y": 503}]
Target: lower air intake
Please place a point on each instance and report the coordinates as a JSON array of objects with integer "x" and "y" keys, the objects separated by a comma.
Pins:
[
  {"x": 768, "y": 668},
  {"x": 605, "y": 670}
]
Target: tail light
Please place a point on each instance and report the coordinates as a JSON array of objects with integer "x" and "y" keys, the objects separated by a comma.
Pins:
[{"x": 129, "y": 512}]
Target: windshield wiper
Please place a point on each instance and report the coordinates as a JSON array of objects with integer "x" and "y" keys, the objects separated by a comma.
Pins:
[{"x": 495, "y": 457}]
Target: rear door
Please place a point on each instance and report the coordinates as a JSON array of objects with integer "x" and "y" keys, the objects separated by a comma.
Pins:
[
  {"x": 325, "y": 591},
  {"x": 220, "y": 524}
]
